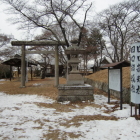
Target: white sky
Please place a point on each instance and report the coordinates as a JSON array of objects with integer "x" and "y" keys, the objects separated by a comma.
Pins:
[{"x": 7, "y": 28}]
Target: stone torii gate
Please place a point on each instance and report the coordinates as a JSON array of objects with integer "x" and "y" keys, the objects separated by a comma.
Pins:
[{"x": 23, "y": 45}]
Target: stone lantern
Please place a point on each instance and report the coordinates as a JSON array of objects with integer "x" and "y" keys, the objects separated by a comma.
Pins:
[
  {"x": 75, "y": 89},
  {"x": 74, "y": 77}
]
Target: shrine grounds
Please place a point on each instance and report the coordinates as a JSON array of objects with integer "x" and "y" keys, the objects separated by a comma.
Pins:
[{"x": 32, "y": 113}]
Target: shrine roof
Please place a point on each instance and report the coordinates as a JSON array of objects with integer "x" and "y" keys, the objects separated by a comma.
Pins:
[
  {"x": 16, "y": 61},
  {"x": 117, "y": 64}
]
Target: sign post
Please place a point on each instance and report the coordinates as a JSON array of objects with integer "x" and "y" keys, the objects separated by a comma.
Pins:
[
  {"x": 135, "y": 76},
  {"x": 115, "y": 83},
  {"x": 115, "y": 78}
]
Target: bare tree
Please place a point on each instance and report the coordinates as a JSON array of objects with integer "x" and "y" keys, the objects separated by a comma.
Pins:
[
  {"x": 6, "y": 50},
  {"x": 48, "y": 14},
  {"x": 72, "y": 32},
  {"x": 95, "y": 44},
  {"x": 119, "y": 24}
]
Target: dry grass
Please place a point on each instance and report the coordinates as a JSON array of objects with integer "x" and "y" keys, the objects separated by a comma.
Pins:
[
  {"x": 126, "y": 77},
  {"x": 58, "y": 107},
  {"x": 99, "y": 76},
  {"x": 54, "y": 135},
  {"x": 67, "y": 107},
  {"x": 100, "y": 92},
  {"x": 45, "y": 87},
  {"x": 76, "y": 120},
  {"x": 102, "y": 76}
]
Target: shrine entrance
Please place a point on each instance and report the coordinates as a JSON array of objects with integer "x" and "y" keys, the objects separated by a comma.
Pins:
[{"x": 23, "y": 45}]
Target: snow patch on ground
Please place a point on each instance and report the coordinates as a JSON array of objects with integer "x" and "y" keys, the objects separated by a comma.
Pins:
[
  {"x": 22, "y": 119},
  {"x": 37, "y": 84},
  {"x": 2, "y": 80}
]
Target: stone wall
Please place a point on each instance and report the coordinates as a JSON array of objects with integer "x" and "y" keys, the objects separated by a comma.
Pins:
[{"x": 104, "y": 87}]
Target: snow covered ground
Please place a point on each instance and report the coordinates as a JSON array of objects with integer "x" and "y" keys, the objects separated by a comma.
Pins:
[{"x": 22, "y": 119}]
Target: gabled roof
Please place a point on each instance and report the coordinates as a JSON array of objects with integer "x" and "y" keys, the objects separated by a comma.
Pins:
[
  {"x": 117, "y": 64},
  {"x": 105, "y": 61},
  {"x": 16, "y": 61}
]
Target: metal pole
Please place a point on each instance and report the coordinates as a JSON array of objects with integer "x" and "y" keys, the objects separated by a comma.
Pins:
[
  {"x": 23, "y": 66},
  {"x": 56, "y": 67}
]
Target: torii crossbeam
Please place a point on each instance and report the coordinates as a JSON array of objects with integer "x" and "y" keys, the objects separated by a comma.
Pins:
[{"x": 23, "y": 44}]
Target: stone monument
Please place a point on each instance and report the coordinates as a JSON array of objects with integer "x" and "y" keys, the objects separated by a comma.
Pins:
[{"x": 75, "y": 89}]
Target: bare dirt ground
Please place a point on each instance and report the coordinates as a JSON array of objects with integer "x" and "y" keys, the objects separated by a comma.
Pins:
[{"x": 36, "y": 86}]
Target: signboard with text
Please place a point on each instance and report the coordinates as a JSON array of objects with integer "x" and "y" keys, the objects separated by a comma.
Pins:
[
  {"x": 135, "y": 73},
  {"x": 114, "y": 79}
]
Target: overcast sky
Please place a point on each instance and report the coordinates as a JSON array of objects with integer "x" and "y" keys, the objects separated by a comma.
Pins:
[{"x": 7, "y": 28}]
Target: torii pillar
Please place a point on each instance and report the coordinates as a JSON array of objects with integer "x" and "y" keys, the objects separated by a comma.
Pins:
[
  {"x": 23, "y": 66},
  {"x": 56, "y": 67}
]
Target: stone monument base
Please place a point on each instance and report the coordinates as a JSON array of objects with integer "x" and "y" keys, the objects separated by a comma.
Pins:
[
  {"x": 75, "y": 79},
  {"x": 75, "y": 93}
]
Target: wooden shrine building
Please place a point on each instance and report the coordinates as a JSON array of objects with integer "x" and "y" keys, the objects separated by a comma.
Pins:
[{"x": 16, "y": 62}]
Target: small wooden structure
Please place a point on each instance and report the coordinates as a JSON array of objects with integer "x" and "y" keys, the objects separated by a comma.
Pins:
[
  {"x": 16, "y": 62},
  {"x": 116, "y": 66},
  {"x": 50, "y": 69},
  {"x": 99, "y": 65}
]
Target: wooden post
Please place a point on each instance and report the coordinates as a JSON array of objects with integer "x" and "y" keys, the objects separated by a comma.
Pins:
[
  {"x": 135, "y": 110},
  {"x": 139, "y": 109},
  {"x": 108, "y": 87},
  {"x": 10, "y": 72},
  {"x": 56, "y": 67},
  {"x": 23, "y": 66},
  {"x": 18, "y": 71},
  {"x": 121, "y": 94},
  {"x": 26, "y": 69},
  {"x": 86, "y": 64},
  {"x": 31, "y": 74},
  {"x": 131, "y": 109},
  {"x": 67, "y": 70}
]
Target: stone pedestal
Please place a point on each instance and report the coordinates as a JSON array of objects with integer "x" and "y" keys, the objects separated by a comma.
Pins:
[
  {"x": 75, "y": 93},
  {"x": 75, "y": 79}
]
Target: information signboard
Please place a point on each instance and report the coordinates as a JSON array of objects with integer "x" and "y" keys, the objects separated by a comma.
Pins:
[
  {"x": 135, "y": 73},
  {"x": 114, "y": 79}
]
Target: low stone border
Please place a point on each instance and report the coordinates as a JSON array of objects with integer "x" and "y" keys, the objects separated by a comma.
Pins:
[{"x": 104, "y": 87}]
